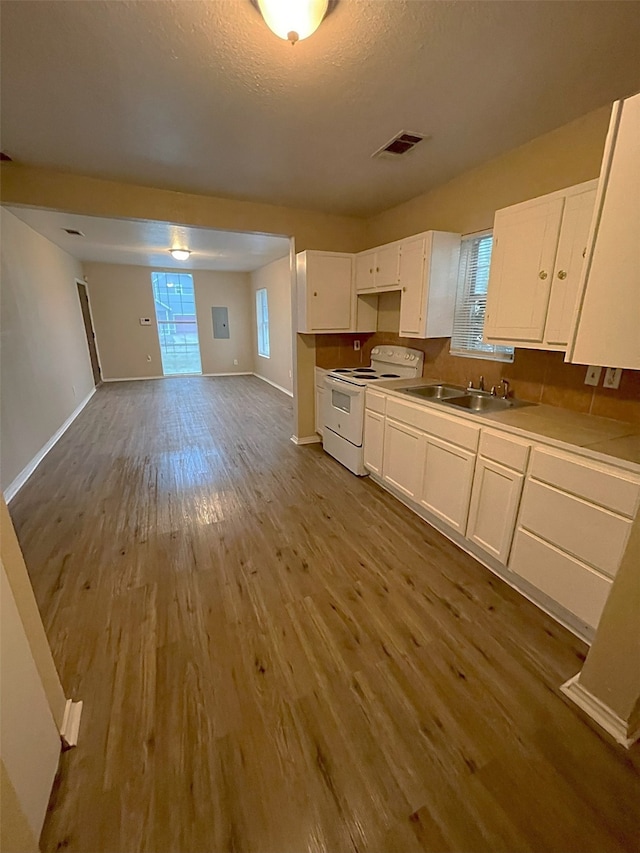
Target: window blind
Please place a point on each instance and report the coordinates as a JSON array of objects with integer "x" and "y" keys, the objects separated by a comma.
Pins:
[
  {"x": 262, "y": 321},
  {"x": 471, "y": 302}
]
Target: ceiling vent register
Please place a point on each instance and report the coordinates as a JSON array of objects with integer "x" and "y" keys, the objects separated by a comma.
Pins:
[
  {"x": 399, "y": 145},
  {"x": 74, "y": 232}
]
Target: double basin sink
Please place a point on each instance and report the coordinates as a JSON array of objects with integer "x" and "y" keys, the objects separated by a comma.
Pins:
[{"x": 479, "y": 402}]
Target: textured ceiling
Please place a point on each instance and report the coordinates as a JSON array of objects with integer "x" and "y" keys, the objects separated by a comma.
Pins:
[
  {"x": 201, "y": 96},
  {"x": 131, "y": 241}
]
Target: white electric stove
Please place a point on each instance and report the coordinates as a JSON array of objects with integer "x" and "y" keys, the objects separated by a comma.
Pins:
[{"x": 343, "y": 417}]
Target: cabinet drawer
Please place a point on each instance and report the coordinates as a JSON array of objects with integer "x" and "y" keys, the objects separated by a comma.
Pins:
[
  {"x": 608, "y": 487},
  {"x": 576, "y": 587},
  {"x": 509, "y": 451},
  {"x": 375, "y": 401},
  {"x": 441, "y": 426},
  {"x": 588, "y": 532}
]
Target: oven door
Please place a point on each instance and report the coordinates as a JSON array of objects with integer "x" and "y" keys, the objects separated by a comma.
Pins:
[{"x": 344, "y": 409}]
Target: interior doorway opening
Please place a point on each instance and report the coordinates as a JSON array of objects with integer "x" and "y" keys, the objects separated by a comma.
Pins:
[{"x": 83, "y": 295}]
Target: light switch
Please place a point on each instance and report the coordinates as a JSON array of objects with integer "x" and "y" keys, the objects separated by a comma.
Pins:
[{"x": 593, "y": 375}]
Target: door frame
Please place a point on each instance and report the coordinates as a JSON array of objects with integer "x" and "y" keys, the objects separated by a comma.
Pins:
[{"x": 85, "y": 284}]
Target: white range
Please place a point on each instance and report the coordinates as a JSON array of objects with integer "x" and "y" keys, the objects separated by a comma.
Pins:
[{"x": 343, "y": 417}]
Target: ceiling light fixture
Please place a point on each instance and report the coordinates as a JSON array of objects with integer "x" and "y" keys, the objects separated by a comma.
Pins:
[
  {"x": 293, "y": 20},
  {"x": 180, "y": 254}
]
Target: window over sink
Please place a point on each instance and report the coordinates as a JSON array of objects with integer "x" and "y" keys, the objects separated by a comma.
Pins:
[{"x": 471, "y": 301}]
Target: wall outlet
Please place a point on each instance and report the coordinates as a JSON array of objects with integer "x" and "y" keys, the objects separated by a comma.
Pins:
[
  {"x": 356, "y": 345},
  {"x": 593, "y": 375},
  {"x": 145, "y": 321},
  {"x": 612, "y": 377},
  {"x": 148, "y": 358},
  {"x": 235, "y": 361}
]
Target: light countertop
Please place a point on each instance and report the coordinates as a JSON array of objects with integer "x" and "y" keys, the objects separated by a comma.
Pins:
[{"x": 597, "y": 437}]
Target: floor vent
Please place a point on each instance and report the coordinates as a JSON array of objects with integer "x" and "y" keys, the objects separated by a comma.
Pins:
[{"x": 399, "y": 145}]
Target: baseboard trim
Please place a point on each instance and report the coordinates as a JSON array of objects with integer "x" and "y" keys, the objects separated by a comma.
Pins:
[
  {"x": 599, "y": 712},
  {"x": 132, "y": 378},
  {"x": 275, "y": 385},
  {"x": 237, "y": 373},
  {"x": 71, "y": 724},
  {"x": 13, "y": 488},
  {"x": 306, "y": 439}
]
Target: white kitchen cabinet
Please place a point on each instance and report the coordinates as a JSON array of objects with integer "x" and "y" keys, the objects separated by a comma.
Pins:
[
  {"x": 536, "y": 262},
  {"x": 378, "y": 268},
  {"x": 446, "y": 483},
  {"x": 494, "y": 506},
  {"x": 428, "y": 279},
  {"x": 326, "y": 299},
  {"x": 373, "y": 441},
  {"x": 403, "y": 458},
  {"x": 607, "y": 316}
]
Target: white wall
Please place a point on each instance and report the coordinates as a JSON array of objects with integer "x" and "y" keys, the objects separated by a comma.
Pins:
[
  {"x": 230, "y": 290},
  {"x": 29, "y": 739},
  {"x": 45, "y": 367},
  {"x": 276, "y": 278}
]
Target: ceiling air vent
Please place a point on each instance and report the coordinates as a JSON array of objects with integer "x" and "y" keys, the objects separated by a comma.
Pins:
[
  {"x": 401, "y": 143},
  {"x": 74, "y": 232}
]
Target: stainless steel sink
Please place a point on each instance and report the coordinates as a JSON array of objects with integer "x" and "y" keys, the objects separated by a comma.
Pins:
[
  {"x": 485, "y": 403},
  {"x": 435, "y": 392}
]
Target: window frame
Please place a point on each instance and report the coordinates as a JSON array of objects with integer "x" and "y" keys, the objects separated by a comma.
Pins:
[
  {"x": 469, "y": 299},
  {"x": 262, "y": 323}
]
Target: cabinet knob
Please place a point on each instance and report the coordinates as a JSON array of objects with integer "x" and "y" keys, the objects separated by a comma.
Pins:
[
  {"x": 584, "y": 252},
  {"x": 562, "y": 275},
  {"x": 377, "y": 269},
  {"x": 371, "y": 270},
  {"x": 543, "y": 274},
  {"x": 315, "y": 292},
  {"x": 404, "y": 289}
]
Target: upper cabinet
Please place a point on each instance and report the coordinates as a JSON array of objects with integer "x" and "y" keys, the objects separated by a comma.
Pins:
[
  {"x": 378, "y": 268},
  {"x": 428, "y": 279},
  {"x": 538, "y": 252},
  {"x": 607, "y": 317},
  {"x": 326, "y": 295}
]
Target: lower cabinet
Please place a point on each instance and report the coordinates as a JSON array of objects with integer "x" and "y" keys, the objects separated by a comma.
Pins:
[
  {"x": 373, "y": 441},
  {"x": 446, "y": 484},
  {"x": 494, "y": 506},
  {"x": 403, "y": 458}
]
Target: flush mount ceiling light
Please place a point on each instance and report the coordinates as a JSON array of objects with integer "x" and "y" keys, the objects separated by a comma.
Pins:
[
  {"x": 180, "y": 254},
  {"x": 293, "y": 20}
]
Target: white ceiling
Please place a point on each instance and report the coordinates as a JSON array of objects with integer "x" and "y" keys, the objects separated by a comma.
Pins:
[
  {"x": 130, "y": 241},
  {"x": 201, "y": 96}
]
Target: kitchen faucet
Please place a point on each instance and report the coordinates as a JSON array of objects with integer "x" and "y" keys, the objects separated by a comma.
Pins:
[
  {"x": 506, "y": 386},
  {"x": 480, "y": 385}
]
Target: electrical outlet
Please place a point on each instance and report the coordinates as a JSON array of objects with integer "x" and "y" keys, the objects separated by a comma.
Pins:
[
  {"x": 612, "y": 377},
  {"x": 356, "y": 345},
  {"x": 148, "y": 358},
  {"x": 593, "y": 375},
  {"x": 235, "y": 361}
]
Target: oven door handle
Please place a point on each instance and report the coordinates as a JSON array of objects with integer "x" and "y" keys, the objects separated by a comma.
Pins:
[{"x": 344, "y": 387}]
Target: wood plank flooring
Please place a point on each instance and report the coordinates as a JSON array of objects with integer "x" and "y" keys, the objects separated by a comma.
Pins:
[{"x": 275, "y": 655}]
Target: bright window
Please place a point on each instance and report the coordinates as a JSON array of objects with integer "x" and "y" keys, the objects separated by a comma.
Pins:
[
  {"x": 174, "y": 298},
  {"x": 262, "y": 319},
  {"x": 471, "y": 301}
]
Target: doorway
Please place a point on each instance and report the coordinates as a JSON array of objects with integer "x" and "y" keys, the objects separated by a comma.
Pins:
[
  {"x": 175, "y": 302},
  {"x": 83, "y": 295}
]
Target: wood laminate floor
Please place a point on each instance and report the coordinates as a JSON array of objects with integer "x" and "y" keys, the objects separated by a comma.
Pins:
[{"x": 275, "y": 655}]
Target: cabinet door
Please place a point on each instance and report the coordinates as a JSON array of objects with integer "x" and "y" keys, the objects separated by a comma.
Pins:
[
  {"x": 403, "y": 458},
  {"x": 446, "y": 484},
  {"x": 387, "y": 265},
  {"x": 329, "y": 292},
  {"x": 365, "y": 269},
  {"x": 607, "y": 319},
  {"x": 572, "y": 248},
  {"x": 494, "y": 506},
  {"x": 525, "y": 240},
  {"x": 373, "y": 441},
  {"x": 412, "y": 261}
]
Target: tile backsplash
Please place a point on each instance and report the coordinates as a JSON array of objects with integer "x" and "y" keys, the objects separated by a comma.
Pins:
[{"x": 535, "y": 375}]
